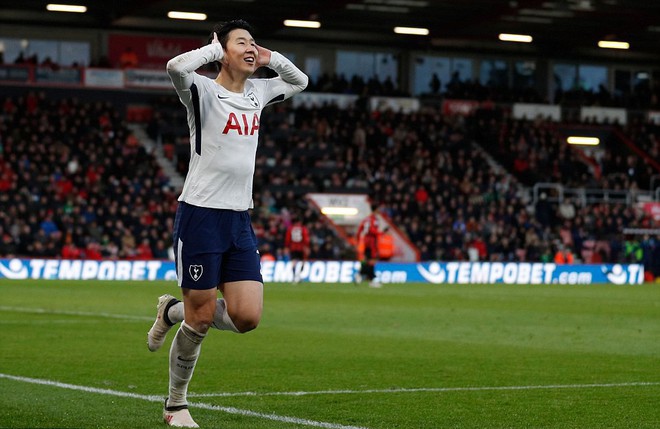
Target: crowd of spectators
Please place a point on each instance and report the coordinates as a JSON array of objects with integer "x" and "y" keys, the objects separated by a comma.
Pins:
[
  {"x": 472, "y": 89},
  {"x": 76, "y": 183},
  {"x": 646, "y": 136},
  {"x": 435, "y": 182},
  {"x": 643, "y": 95},
  {"x": 535, "y": 151},
  {"x": 356, "y": 85}
]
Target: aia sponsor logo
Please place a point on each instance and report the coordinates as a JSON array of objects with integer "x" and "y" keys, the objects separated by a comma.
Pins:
[{"x": 241, "y": 124}]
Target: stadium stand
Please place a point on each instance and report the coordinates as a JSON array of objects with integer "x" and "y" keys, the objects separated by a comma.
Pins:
[
  {"x": 77, "y": 183},
  {"x": 437, "y": 182},
  {"x": 534, "y": 151}
]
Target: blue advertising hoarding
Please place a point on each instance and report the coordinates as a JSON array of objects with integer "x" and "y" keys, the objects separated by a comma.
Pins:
[{"x": 339, "y": 271}]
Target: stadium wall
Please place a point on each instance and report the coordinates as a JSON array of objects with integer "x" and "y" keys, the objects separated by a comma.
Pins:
[{"x": 339, "y": 271}]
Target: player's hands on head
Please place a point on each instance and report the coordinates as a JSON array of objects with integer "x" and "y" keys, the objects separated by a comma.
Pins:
[
  {"x": 213, "y": 40},
  {"x": 263, "y": 58}
]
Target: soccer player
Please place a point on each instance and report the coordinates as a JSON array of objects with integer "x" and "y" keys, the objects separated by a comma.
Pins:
[
  {"x": 296, "y": 242},
  {"x": 368, "y": 234},
  {"x": 214, "y": 244}
]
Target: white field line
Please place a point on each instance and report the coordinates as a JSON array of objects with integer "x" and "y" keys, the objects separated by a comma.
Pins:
[
  {"x": 428, "y": 389},
  {"x": 232, "y": 410},
  {"x": 160, "y": 399},
  {"x": 73, "y": 313}
]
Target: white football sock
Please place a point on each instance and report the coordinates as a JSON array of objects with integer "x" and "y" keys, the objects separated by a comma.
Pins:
[
  {"x": 221, "y": 319},
  {"x": 183, "y": 357},
  {"x": 175, "y": 313}
]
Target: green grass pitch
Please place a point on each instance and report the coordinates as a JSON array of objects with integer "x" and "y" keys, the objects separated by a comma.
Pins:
[{"x": 339, "y": 356}]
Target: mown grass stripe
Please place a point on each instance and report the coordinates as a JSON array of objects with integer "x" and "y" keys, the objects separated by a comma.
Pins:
[
  {"x": 73, "y": 313},
  {"x": 428, "y": 389},
  {"x": 155, "y": 398}
]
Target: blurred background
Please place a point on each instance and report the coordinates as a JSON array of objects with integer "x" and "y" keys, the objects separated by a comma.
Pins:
[{"x": 500, "y": 131}]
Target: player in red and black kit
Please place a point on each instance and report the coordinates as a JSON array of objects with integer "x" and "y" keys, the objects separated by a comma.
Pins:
[
  {"x": 368, "y": 234},
  {"x": 296, "y": 243}
]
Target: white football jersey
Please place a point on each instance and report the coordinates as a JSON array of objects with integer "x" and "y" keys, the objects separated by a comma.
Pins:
[{"x": 224, "y": 126}]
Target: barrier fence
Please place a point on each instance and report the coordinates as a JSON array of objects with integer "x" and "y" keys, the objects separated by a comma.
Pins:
[{"x": 339, "y": 271}]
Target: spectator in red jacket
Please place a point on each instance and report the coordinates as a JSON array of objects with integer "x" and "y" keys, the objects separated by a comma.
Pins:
[
  {"x": 368, "y": 234},
  {"x": 296, "y": 243}
]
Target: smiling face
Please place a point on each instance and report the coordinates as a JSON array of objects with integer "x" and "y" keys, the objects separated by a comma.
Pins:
[{"x": 240, "y": 52}]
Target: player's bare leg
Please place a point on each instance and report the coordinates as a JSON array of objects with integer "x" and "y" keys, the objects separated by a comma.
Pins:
[
  {"x": 239, "y": 311},
  {"x": 199, "y": 308},
  {"x": 244, "y": 304}
]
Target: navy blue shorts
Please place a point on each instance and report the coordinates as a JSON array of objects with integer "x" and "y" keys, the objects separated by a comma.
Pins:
[{"x": 214, "y": 246}]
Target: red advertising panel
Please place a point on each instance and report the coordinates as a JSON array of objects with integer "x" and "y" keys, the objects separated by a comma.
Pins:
[
  {"x": 464, "y": 107},
  {"x": 459, "y": 107},
  {"x": 152, "y": 52},
  {"x": 652, "y": 210}
]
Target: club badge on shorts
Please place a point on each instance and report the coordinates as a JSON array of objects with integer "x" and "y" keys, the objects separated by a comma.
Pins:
[{"x": 196, "y": 271}]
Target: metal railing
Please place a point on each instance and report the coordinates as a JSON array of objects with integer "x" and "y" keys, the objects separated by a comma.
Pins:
[
  {"x": 657, "y": 188},
  {"x": 557, "y": 193}
]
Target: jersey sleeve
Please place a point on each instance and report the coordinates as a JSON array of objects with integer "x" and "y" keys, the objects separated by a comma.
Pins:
[
  {"x": 291, "y": 79},
  {"x": 181, "y": 68}
]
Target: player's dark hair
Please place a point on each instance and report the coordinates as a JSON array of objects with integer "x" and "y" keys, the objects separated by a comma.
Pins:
[{"x": 222, "y": 29}]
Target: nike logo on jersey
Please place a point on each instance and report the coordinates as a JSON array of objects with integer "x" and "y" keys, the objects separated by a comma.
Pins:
[{"x": 221, "y": 97}]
